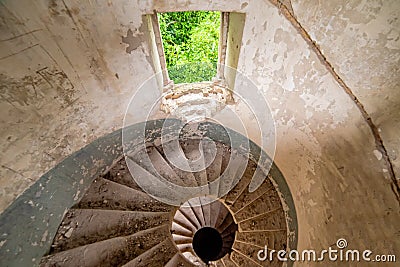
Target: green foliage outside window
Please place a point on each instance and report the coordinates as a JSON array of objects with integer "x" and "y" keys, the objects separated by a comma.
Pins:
[{"x": 190, "y": 41}]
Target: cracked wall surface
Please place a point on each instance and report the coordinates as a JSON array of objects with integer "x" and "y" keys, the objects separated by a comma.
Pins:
[
  {"x": 366, "y": 56},
  {"x": 67, "y": 74}
]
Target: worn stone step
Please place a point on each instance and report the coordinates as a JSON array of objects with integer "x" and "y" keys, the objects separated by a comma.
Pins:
[
  {"x": 195, "y": 155},
  {"x": 179, "y": 239},
  {"x": 151, "y": 160},
  {"x": 269, "y": 201},
  {"x": 222, "y": 214},
  {"x": 105, "y": 194},
  {"x": 111, "y": 252},
  {"x": 206, "y": 210},
  {"x": 178, "y": 260},
  {"x": 159, "y": 187},
  {"x": 198, "y": 210},
  {"x": 219, "y": 263},
  {"x": 185, "y": 247},
  {"x": 186, "y": 176},
  {"x": 214, "y": 169},
  {"x": 190, "y": 213},
  {"x": 84, "y": 226},
  {"x": 215, "y": 208},
  {"x": 241, "y": 259},
  {"x": 242, "y": 184},
  {"x": 180, "y": 230},
  {"x": 274, "y": 220},
  {"x": 232, "y": 173},
  {"x": 247, "y": 197},
  {"x": 157, "y": 256},
  {"x": 191, "y": 256},
  {"x": 227, "y": 262},
  {"x": 229, "y": 230},
  {"x": 119, "y": 173},
  {"x": 260, "y": 239},
  {"x": 228, "y": 221},
  {"x": 186, "y": 220}
]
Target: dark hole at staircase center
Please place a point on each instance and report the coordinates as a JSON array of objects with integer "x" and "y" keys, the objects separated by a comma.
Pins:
[{"x": 207, "y": 243}]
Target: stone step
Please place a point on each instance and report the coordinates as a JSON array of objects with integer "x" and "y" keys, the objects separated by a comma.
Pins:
[
  {"x": 178, "y": 261},
  {"x": 247, "y": 197},
  {"x": 222, "y": 214},
  {"x": 214, "y": 169},
  {"x": 157, "y": 256},
  {"x": 243, "y": 183},
  {"x": 267, "y": 202},
  {"x": 274, "y": 220},
  {"x": 232, "y": 173},
  {"x": 241, "y": 259},
  {"x": 180, "y": 230},
  {"x": 152, "y": 161},
  {"x": 119, "y": 173},
  {"x": 229, "y": 230},
  {"x": 215, "y": 208},
  {"x": 105, "y": 194},
  {"x": 111, "y": 252},
  {"x": 84, "y": 226},
  {"x": 179, "y": 239},
  {"x": 186, "y": 176},
  {"x": 195, "y": 155},
  {"x": 227, "y": 262},
  {"x": 198, "y": 210},
  {"x": 185, "y": 247},
  {"x": 228, "y": 221},
  {"x": 185, "y": 220}
]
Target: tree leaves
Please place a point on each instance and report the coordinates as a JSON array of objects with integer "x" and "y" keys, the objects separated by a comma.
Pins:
[{"x": 190, "y": 42}]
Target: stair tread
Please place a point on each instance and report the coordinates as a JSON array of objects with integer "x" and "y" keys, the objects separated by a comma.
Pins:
[
  {"x": 187, "y": 176},
  {"x": 157, "y": 256},
  {"x": 242, "y": 184},
  {"x": 268, "y": 202},
  {"x": 185, "y": 220},
  {"x": 119, "y": 173},
  {"x": 106, "y": 194},
  {"x": 226, "y": 260},
  {"x": 247, "y": 197},
  {"x": 222, "y": 214},
  {"x": 185, "y": 247},
  {"x": 232, "y": 173},
  {"x": 241, "y": 260},
  {"x": 195, "y": 156},
  {"x": 215, "y": 208},
  {"x": 179, "y": 239},
  {"x": 84, "y": 226},
  {"x": 206, "y": 207},
  {"x": 111, "y": 252},
  {"x": 178, "y": 260},
  {"x": 260, "y": 239},
  {"x": 271, "y": 221},
  {"x": 152, "y": 160},
  {"x": 160, "y": 188},
  {"x": 228, "y": 221},
  {"x": 180, "y": 230},
  {"x": 214, "y": 169},
  {"x": 198, "y": 211},
  {"x": 191, "y": 216}
]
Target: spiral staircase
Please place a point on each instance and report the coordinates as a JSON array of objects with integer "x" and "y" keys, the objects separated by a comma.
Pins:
[{"x": 116, "y": 223}]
